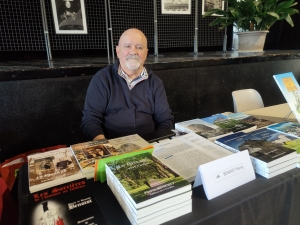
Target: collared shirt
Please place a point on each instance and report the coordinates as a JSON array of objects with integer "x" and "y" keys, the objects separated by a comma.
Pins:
[{"x": 132, "y": 83}]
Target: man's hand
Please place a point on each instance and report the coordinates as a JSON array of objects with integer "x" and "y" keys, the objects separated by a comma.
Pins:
[{"x": 98, "y": 137}]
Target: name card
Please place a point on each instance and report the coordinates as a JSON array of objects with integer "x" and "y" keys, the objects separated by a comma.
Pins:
[{"x": 225, "y": 174}]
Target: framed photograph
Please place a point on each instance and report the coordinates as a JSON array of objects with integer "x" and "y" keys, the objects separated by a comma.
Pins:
[
  {"x": 176, "y": 6},
  {"x": 69, "y": 16},
  {"x": 212, "y": 4}
]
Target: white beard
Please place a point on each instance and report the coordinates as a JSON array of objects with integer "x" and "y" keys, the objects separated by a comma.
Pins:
[{"x": 133, "y": 63}]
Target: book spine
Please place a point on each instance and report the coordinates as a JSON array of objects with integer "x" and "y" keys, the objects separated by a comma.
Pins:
[{"x": 121, "y": 201}]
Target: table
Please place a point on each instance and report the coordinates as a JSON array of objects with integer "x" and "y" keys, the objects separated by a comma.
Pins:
[
  {"x": 276, "y": 113},
  {"x": 274, "y": 201}
]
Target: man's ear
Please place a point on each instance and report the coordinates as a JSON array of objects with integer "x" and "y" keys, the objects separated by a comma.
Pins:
[{"x": 117, "y": 50}]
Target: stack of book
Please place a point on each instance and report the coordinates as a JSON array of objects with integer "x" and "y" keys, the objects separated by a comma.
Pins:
[
  {"x": 52, "y": 168},
  {"x": 148, "y": 191},
  {"x": 270, "y": 154}
]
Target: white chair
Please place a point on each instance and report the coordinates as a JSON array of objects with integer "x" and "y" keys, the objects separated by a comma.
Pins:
[{"x": 246, "y": 99}]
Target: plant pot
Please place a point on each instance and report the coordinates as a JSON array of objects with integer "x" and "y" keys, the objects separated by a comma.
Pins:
[{"x": 252, "y": 41}]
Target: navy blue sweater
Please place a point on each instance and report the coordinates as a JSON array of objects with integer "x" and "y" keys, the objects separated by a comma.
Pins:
[{"x": 113, "y": 110}]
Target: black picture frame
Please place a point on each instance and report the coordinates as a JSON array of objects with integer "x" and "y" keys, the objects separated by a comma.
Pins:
[{"x": 69, "y": 16}]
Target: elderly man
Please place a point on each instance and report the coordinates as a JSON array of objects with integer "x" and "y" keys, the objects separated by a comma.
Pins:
[{"x": 125, "y": 98}]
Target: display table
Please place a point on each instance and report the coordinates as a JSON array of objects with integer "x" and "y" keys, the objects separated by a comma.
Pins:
[
  {"x": 276, "y": 113},
  {"x": 263, "y": 201},
  {"x": 274, "y": 201}
]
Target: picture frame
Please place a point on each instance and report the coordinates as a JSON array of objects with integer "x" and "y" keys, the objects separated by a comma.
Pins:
[
  {"x": 212, "y": 4},
  {"x": 69, "y": 16},
  {"x": 176, "y": 6}
]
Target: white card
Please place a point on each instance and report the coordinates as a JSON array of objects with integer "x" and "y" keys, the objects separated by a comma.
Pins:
[{"x": 225, "y": 174}]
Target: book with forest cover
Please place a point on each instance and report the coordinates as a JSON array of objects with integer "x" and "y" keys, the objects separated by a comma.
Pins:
[
  {"x": 51, "y": 168},
  {"x": 156, "y": 213},
  {"x": 266, "y": 147},
  {"x": 69, "y": 203},
  {"x": 145, "y": 180},
  {"x": 121, "y": 146},
  {"x": 290, "y": 89},
  {"x": 87, "y": 152}
]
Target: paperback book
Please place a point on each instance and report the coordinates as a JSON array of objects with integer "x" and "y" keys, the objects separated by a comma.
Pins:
[
  {"x": 289, "y": 128},
  {"x": 121, "y": 147},
  {"x": 69, "y": 203},
  {"x": 145, "y": 180},
  {"x": 219, "y": 128},
  {"x": 200, "y": 127},
  {"x": 87, "y": 153},
  {"x": 266, "y": 147},
  {"x": 248, "y": 119},
  {"x": 51, "y": 168},
  {"x": 128, "y": 143},
  {"x": 186, "y": 153},
  {"x": 214, "y": 118},
  {"x": 290, "y": 89},
  {"x": 156, "y": 213}
]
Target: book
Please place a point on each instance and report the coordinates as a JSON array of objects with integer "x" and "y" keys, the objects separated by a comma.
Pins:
[
  {"x": 145, "y": 180},
  {"x": 51, "y": 168},
  {"x": 200, "y": 127},
  {"x": 121, "y": 147},
  {"x": 160, "y": 212},
  {"x": 220, "y": 128},
  {"x": 245, "y": 118},
  {"x": 231, "y": 125},
  {"x": 128, "y": 143},
  {"x": 216, "y": 117},
  {"x": 69, "y": 203},
  {"x": 289, "y": 128},
  {"x": 186, "y": 153},
  {"x": 290, "y": 89},
  {"x": 100, "y": 171},
  {"x": 87, "y": 152},
  {"x": 266, "y": 147}
]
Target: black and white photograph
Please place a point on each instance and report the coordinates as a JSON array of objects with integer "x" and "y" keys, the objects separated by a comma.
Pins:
[
  {"x": 212, "y": 4},
  {"x": 176, "y": 6},
  {"x": 69, "y": 16}
]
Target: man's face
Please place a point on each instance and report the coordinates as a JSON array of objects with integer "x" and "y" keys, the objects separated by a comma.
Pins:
[{"x": 132, "y": 50}]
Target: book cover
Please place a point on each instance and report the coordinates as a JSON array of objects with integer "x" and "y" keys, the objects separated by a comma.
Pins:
[
  {"x": 266, "y": 147},
  {"x": 287, "y": 128},
  {"x": 51, "y": 168},
  {"x": 290, "y": 89},
  {"x": 231, "y": 125},
  {"x": 259, "y": 123},
  {"x": 69, "y": 203},
  {"x": 216, "y": 117},
  {"x": 200, "y": 127},
  {"x": 146, "y": 180},
  {"x": 128, "y": 143},
  {"x": 87, "y": 152}
]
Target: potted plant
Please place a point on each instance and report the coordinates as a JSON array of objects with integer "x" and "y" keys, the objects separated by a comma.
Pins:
[{"x": 253, "y": 18}]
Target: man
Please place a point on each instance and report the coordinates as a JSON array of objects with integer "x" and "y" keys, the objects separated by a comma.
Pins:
[{"x": 125, "y": 98}]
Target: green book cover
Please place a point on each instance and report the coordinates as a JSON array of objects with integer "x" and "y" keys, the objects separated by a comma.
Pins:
[
  {"x": 99, "y": 172},
  {"x": 146, "y": 180}
]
